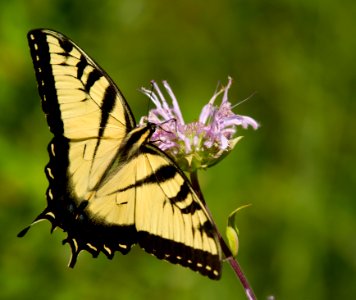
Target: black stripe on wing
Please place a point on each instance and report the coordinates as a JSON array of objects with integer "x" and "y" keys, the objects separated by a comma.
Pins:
[
  {"x": 163, "y": 174},
  {"x": 106, "y": 107},
  {"x": 93, "y": 77},
  {"x": 64, "y": 42},
  {"x": 81, "y": 66}
]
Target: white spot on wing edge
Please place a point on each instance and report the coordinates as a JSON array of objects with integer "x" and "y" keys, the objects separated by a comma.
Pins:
[
  {"x": 50, "y": 195},
  {"x": 51, "y": 214},
  {"x": 75, "y": 243},
  {"x": 52, "y": 150},
  {"x": 107, "y": 249},
  {"x": 50, "y": 173},
  {"x": 92, "y": 247},
  {"x": 123, "y": 246}
]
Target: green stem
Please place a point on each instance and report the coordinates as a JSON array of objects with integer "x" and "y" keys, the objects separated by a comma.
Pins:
[{"x": 226, "y": 250}]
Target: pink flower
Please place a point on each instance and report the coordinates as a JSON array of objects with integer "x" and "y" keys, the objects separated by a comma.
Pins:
[{"x": 199, "y": 144}]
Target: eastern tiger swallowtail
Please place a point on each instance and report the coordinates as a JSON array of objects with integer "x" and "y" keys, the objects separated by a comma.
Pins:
[{"x": 109, "y": 186}]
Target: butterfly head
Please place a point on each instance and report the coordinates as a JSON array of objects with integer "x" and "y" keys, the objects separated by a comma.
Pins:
[{"x": 151, "y": 127}]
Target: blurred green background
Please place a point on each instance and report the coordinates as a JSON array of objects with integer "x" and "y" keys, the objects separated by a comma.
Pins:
[{"x": 298, "y": 240}]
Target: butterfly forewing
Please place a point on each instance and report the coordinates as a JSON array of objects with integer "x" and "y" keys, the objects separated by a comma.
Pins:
[{"x": 109, "y": 187}]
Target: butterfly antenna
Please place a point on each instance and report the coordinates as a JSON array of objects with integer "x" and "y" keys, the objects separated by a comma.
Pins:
[
  {"x": 165, "y": 122},
  {"x": 149, "y": 102},
  {"x": 244, "y": 100}
]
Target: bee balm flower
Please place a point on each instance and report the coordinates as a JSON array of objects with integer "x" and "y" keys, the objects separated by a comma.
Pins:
[{"x": 200, "y": 144}]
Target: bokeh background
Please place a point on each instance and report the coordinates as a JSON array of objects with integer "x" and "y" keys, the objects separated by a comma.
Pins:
[{"x": 297, "y": 59}]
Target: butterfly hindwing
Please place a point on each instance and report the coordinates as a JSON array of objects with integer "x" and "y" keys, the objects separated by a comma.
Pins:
[
  {"x": 171, "y": 221},
  {"x": 109, "y": 187}
]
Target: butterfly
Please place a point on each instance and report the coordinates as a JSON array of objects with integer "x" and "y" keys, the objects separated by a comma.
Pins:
[{"x": 110, "y": 187}]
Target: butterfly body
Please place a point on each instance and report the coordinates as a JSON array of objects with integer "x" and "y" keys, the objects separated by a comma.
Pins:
[{"x": 109, "y": 186}]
